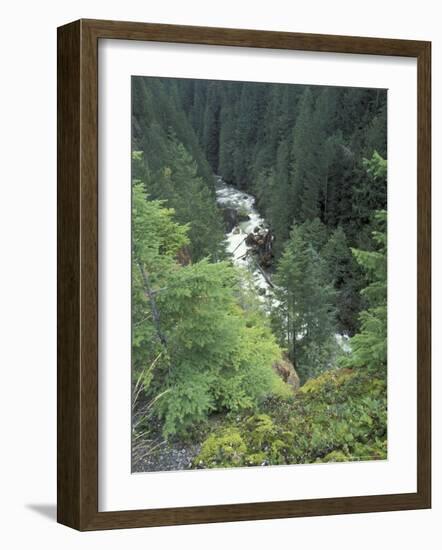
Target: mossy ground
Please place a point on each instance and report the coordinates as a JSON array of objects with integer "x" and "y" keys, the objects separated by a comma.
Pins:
[{"x": 339, "y": 416}]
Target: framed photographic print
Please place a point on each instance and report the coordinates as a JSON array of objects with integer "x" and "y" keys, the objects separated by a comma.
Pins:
[{"x": 243, "y": 274}]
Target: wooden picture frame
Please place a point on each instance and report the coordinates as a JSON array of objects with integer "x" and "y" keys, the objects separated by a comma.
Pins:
[{"x": 78, "y": 274}]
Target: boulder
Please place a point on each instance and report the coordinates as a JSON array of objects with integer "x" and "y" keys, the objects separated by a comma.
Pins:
[
  {"x": 285, "y": 369},
  {"x": 183, "y": 256},
  {"x": 230, "y": 216},
  {"x": 251, "y": 240},
  {"x": 266, "y": 261},
  {"x": 243, "y": 216},
  {"x": 261, "y": 243}
]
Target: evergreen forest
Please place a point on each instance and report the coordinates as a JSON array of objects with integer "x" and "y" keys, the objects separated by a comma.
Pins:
[{"x": 259, "y": 274}]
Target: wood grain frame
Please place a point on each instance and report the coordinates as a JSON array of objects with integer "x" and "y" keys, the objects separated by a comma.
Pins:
[{"x": 77, "y": 223}]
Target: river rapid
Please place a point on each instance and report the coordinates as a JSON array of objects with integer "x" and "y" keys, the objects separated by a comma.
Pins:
[{"x": 228, "y": 196}]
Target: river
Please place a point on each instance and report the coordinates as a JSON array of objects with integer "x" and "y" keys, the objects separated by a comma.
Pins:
[{"x": 228, "y": 196}]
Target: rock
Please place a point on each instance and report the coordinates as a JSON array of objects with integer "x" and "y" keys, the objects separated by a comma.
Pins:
[
  {"x": 261, "y": 243},
  {"x": 251, "y": 240},
  {"x": 230, "y": 216},
  {"x": 183, "y": 256},
  {"x": 243, "y": 216},
  {"x": 233, "y": 217},
  {"x": 266, "y": 261},
  {"x": 285, "y": 369}
]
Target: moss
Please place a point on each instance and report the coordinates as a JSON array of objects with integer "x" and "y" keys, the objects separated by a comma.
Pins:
[
  {"x": 261, "y": 430},
  {"x": 226, "y": 448},
  {"x": 281, "y": 389},
  {"x": 338, "y": 416},
  {"x": 255, "y": 459},
  {"x": 327, "y": 381},
  {"x": 335, "y": 456}
]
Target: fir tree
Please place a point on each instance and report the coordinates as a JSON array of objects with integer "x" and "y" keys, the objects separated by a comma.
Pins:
[
  {"x": 369, "y": 345},
  {"x": 347, "y": 280},
  {"x": 305, "y": 312}
]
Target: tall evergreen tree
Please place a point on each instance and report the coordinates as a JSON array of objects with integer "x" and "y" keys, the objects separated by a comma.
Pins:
[
  {"x": 347, "y": 280},
  {"x": 211, "y": 128},
  {"x": 227, "y": 143},
  {"x": 369, "y": 194},
  {"x": 305, "y": 312},
  {"x": 279, "y": 210},
  {"x": 309, "y": 154},
  {"x": 369, "y": 345}
]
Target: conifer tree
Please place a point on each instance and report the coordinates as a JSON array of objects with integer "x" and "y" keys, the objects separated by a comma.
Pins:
[
  {"x": 314, "y": 232},
  {"x": 227, "y": 143},
  {"x": 211, "y": 129},
  {"x": 305, "y": 312},
  {"x": 309, "y": 154},
  {"x": 347, "y": 280},
  {"x": 279, "y": 210},
  {"x": 194, "y": 204},
  {"x": 368, "y": 196},
  {"x": 369, "y": 345},
  {"x": 221, "y": 357}
]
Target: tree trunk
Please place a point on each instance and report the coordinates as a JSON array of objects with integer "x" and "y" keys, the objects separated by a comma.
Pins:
[{"x": 153, "y": 306}]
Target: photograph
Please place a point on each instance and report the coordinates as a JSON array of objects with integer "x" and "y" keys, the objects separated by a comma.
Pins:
[
  {"x": 259, "y": 274},
  {"x": 219, "y": 254}
]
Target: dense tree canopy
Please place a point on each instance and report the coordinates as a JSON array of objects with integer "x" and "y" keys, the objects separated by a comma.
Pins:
[{"x": 312, "y": 139}]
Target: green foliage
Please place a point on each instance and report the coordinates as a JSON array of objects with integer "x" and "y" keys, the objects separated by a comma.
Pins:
[
  {"x": 224, "y": 449},
  {"x": 369, "y": 346},
  {"x": 308, "y": 167},
  {"x": 156, "y": 239},
  {"x": 170, "y": 162},
  {"x": 299, "y": 149},
  {"x": 376, "y": 168},
  {"x": 192, "y": 201},
  {"x": 304, "y": 314},
  {"x": 338, "y": 416},
  {"x": 217, "y": 349},
  {"x": 347, "y": 280},
  {"x": 211, "y": 127},
  {"x": 314, "y": 232},
  {"x": 143, "y": 437},
  {"x": 213, "y": 354},
  {"x": 157, "y": 114},
  {"x": 369, "y": 196},
  {"x": 281, "y": 389}
]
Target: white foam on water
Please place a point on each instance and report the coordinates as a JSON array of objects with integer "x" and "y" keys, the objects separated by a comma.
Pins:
[{"x": 230, "y": 196}]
